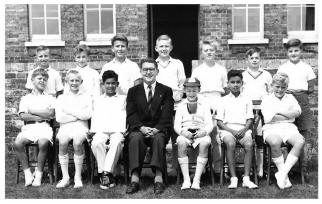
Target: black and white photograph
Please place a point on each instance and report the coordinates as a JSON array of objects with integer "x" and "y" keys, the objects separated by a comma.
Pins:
[{"x": 161, "y": 100}]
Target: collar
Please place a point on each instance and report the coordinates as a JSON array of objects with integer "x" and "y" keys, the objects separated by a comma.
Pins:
[
  {"x": 185, "y": 101},
  {"x": 152, "y": 85},
  {"x": 80, "y": 92},
  {"x": 86, "y": 67},
  {"x": 114, "y": 96},
  {"x": 125, "y": 61},
  {"x": 295, "y": 65},
  {"x": 260, "y": 70},
  {"x": 47, "y": 69},
  {"x": 232, "y": 96},
  {"x": 158, "y": 59},
  {"x": 33, "y": 92}
]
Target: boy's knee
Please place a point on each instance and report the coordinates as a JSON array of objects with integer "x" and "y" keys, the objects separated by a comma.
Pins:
[
  {"x": 204, "y": 145},
  {"x": 182, "y": 145}
]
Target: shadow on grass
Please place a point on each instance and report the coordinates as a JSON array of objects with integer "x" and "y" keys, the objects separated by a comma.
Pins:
[{"x": 90, "y": 191}]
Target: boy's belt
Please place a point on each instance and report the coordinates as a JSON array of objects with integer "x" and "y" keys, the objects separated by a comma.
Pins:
[{"x": 39, "y": 121}]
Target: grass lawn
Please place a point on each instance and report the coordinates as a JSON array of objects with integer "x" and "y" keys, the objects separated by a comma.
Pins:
[{"x": 89, "y": 191}]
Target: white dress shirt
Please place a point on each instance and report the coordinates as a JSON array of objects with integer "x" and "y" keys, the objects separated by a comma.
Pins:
[
  {"x": 127, "y": 71},
  {"x": 109, "y": 114},
  {"x": 235, "y": 110},
  {"x": 299, "y": 74},
  {"x": 146, "y": 89}
]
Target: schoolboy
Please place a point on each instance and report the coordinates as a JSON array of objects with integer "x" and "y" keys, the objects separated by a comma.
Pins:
[
  {"x": 109, "y": 125},
  {"x": 36, "y": 109},
  {"x": 171, "y": 71},
  {"x": 234, "y": 119},
  {"x": 127, "y": 70},
  {"x": 213, "y": 79},
  {"x": 301, "y": 84},
  {"x": 91, "y": 81},
  {"x": 256, "y": 85},
  {"x": 193, "y": 124},
  {"x": 280, "y": 110},
  {"x": 54, "y": 84},
  {"x": 73, "y": 109}
]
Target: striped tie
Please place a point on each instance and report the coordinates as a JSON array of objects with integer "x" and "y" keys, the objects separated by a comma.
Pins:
[{"x": 149, "y": 96}]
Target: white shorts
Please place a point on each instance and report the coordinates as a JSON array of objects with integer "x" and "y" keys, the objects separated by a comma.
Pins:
[
  {"x": 223, "y": 133},
  {"x": 196, "y": 142},
  {"x": 34, "y": 132},
  {"x": 73, "y": 130},
  {"x": 282, "y": 130}
]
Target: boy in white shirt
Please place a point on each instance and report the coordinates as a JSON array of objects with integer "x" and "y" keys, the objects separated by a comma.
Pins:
[
  {"x": 127, "y": 70},
  {"x": 280, "y": 110},
  {"x": 234, "y": 119},
  {"x": 256, "y": 85},
  {"x": 301, "y": 84},
  {"x": 171, "y": 71},
  {"x": 109, "y": 125},
  {"x": 36, "y": 109},
  {"x": 193, "y": 124},
  {"x": 54, "y": 85},
  {"x": 73, "y": 109},
  {"x": 91, "y": 81}
]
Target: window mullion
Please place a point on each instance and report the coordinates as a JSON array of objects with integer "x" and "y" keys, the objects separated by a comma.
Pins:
[
  {"x": 246, "y": 18},
  {"x": 99, "y": 20},
  {"x": 45, "y": 19}
]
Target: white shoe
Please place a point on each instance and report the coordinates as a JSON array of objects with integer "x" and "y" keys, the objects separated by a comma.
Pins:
[
  {"x": 233, "y": 183},
  {"x": 288, "y": 183},
  {"x": 280, "y": 180},
  {"x": 195, "y": 184},
  {"x": 78, "y": 183},
  {"x": 186, "y": 185},
  {"x": 28, "y": 178},
  {"x": 37, "y": 179},
  {"x": 248, "y": 183},
  {"x": 63, "y": 183}
]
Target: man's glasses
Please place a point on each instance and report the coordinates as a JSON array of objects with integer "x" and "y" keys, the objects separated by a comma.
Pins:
[{"x": 145, "y": 70}]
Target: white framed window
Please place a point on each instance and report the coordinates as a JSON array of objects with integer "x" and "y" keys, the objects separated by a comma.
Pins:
[
  {"x": 247, "y": 24},
  {"x": 45, "y": 28},
  {"x": 302, "y": 22},
  {"x": 99, "y": 23}
]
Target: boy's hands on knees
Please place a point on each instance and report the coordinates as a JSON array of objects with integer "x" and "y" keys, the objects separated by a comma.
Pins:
[
  {"x": 200, "y": 133},
  {"x": 187, "y": 134}
]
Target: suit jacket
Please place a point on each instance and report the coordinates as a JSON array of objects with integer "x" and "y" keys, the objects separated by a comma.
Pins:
[{"x": 137, "y": 113}]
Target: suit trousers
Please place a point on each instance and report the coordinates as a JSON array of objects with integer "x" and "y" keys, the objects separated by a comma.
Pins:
[{"x": 138, "y": 144}]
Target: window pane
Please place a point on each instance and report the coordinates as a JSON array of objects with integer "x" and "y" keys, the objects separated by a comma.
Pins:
[
  {"x": 37, "y": 10},
  {"x": 91, "y": 5},
  {"x": 38, "y": 27},
  {"x": 106, "y": 5},
  {"x": 52, "y": 10},
  {"x": 239, "y": 20},
  {"x": 107, "y": 22},
  {"x": 294, "y": 19},
  {"x": 92, "y": 22},
  {"x": 308, "y": 21},
  {"x": 240, "y": 5},
  {"x": 52, "y": 27},
  {"x": 253, "y": 20},
  {"x": 253, "y": 5}
]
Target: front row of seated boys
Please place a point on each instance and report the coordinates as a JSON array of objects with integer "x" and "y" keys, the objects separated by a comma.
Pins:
[{"x": 192, "y": 123}]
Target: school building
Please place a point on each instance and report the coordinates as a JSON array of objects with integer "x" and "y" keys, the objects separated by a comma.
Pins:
[{"x": 237, "y": 27}]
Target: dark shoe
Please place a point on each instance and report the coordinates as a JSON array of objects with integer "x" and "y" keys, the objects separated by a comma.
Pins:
[
  {"x": 112, "y": 180},
  {"x": 105, "y": 181},
  {"x": 158, "y": 188},
  {"x": 132, "y": 188}
]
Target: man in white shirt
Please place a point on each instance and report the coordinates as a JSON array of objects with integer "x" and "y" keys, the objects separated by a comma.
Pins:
[
  {"x": 109, "y": 125},
  {"x": 127, "y": 70}
]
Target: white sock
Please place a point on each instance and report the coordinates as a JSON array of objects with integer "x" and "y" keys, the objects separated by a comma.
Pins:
[
  {"x": 78, "y": 160},
  {"x": 38, "y": 174},
  {"x": 184, "y": 165},
  {"x": 63, "y": 160},
  {"x": 27, "y": 171},
  {"x": 289, "y": 163},
  {"x": 201, "y": 163},
  {"x": 279, "y": 162}
]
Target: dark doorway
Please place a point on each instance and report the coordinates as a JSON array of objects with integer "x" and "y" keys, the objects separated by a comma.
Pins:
[{"x": 180, "y": 22}]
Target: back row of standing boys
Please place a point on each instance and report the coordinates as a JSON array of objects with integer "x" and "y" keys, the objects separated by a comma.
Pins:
[{"x": 214, "y": 99}]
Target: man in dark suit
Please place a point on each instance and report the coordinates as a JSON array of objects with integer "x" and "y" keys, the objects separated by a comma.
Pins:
[{"x": 149, "y": 116}]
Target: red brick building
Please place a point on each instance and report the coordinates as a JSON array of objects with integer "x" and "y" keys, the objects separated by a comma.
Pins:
[{"x": 236, "y": 27}]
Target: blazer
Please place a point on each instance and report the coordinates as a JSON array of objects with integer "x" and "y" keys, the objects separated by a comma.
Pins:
[{"x": 162, "y": 108}]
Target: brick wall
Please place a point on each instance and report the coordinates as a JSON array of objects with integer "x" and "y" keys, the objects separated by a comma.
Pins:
[{"x": 131, "y": 20}]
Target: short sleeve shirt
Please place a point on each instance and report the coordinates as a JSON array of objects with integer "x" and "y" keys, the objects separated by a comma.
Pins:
[
  {"x": 234, "y": 110},
  {"x": 299, "y": 74},
  {"x": 211, "y": 78},
  {"x": 255, "y": 87},
  {"x": 36, "y": 101},
  {"x": 54, "y": 83},
  {"x": 127, "y": 71}
]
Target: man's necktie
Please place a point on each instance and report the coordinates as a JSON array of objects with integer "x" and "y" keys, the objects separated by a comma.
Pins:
[{"x": 149, "y": 97}]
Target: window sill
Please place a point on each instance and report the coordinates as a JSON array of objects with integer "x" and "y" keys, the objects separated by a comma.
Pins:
[
  {"x": 304, "y": 40},
  {"x": 96, "y": 42},
  {"x": 247, "y": 41},
  {"x": 48, "y": 43}
]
